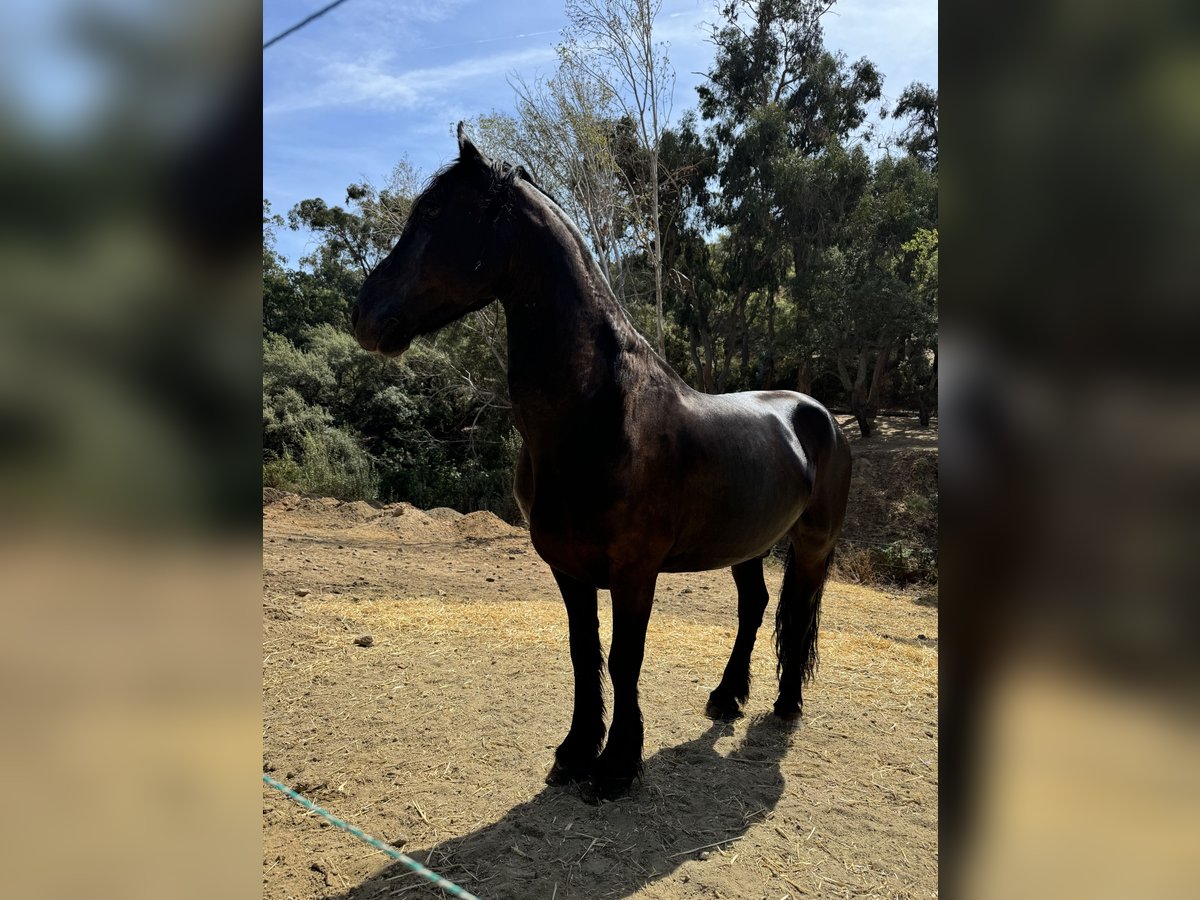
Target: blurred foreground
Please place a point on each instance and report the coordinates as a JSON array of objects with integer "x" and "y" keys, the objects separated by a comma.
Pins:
[
  {"x": 1071, "y": 451},
  {"x": 129, "y": 347}
]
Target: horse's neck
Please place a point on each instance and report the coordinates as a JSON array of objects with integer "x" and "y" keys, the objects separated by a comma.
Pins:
[{"x": 568, "y": 339}]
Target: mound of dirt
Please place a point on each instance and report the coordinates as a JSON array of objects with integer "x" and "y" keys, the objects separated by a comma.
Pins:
[
  {"x": 411, "y": 524},
  {"x": 360, "y": 511},
  {"x": 405, "y": 521},
  {"x": 278, "y": 503},
  {"x": 328, "y": 512},
  {"x": 484, "y": 525}
]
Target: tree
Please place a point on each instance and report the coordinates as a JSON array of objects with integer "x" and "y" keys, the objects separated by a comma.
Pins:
[
  {"x": 613, "y": 41},
  {"x": 294, "y": 300},
  {"x": 783, "y": 110},
  {"x": 363, "y": 235},
  {"x": 919, "y": 104},
  {"x": 691, "y": 292},
  {"x": 919, "y": 367},
  {"x": 276, "y": 289},
  {"x": 871, "y": 292}
]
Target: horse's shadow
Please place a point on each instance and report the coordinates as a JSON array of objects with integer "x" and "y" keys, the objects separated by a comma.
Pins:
[{"x": 692, "y": 798}]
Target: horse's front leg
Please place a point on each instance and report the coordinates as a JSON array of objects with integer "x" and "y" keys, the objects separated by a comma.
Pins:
[
  {"x": 621, "y": 760},
  {"x": 576, "y": 755}
]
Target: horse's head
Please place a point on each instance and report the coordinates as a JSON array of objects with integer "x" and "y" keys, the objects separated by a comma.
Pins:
[{"x": 448, "y": 259}]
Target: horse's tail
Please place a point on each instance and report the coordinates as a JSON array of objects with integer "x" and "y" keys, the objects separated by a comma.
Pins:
[
  {"x": 813, "y": 539},
  {"x": 798, "y": 620}
]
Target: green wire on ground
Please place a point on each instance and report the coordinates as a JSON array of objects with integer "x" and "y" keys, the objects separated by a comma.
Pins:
[{"x": 448, "y": 886}]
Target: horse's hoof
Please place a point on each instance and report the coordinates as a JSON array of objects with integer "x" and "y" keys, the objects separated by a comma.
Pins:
[
  {"x": 722, "y": 709},
  {"x": 609, "y": 787},
  {"x": 788, "y": 710},
  {"x": 612, "y": 777},
  {"x": 569, "y": 773}
]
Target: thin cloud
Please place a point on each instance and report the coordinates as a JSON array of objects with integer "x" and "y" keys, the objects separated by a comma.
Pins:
[
  {"x": 510, "y": 37},
  {"x": 373, "y": 83}
]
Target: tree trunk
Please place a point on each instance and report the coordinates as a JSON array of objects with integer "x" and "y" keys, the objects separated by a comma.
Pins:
[
  {"x": 804, "y": 378},
  {"x": 866, "y": 421},
  {"x": 856, "y": 390},
  {"x": 927, "y": 394},
  {"x": 860, "y": 398},
  {"x": 769, "y": 367},
  {"x": 882, "y": 364},
  {"x": 726, "y": 362},
  {"x": 658, "y": 294}
]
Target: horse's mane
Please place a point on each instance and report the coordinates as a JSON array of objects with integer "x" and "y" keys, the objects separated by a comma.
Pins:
[
  {"x": 499, "y": 197},
  {"x": 506, "y": 174}
]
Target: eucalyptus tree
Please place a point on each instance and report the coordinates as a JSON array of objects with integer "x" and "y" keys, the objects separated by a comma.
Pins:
[
  {"x": 919, "y": 105},
  {"x": 874, "y": 294},
  {"x": 786, "y": 115}
]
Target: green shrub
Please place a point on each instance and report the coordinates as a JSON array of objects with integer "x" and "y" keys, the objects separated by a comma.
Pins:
[
  {"x": 897, "y": 563},
  {"x": 334, "y": 465},
  {"x": 331, "y": 464},
  {"x": 283, "y": 474},
  {"x": 903, "y": 564}
]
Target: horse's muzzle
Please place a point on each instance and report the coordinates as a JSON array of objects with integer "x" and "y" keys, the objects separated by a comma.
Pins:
[{"x": 386, "y": 338}]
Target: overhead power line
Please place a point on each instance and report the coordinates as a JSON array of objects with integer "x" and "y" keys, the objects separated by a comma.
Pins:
[{"x": 320, "y": 12}]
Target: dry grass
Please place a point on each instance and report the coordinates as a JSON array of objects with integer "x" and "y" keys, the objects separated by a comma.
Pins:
[
  {"x": 398, "y": 624},
  {"x": 855, "y": 565},
  {"x": 441, "y": 730}
]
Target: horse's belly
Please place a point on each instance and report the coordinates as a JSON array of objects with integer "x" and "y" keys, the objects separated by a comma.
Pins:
[
  {"x": 719, "y": 547},
  {"x": 704, "y": 562},
  {"x": 739, "y": 517}
]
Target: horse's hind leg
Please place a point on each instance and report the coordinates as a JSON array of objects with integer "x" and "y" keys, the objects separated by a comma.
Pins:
[
  {"x": 813, "y": 538},
  {"x": 798, "y": 620},
  {"x": 576, "y": 755},
  {"x": 726, "y": 700}
]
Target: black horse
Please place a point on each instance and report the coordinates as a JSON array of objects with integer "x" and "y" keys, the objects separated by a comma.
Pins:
[{"x": 626, "y": 471}]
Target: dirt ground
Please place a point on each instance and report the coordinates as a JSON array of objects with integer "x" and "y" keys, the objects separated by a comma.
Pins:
[{"x": 437, "y": 736}]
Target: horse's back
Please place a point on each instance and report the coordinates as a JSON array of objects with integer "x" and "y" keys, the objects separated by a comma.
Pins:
[{"x": 797, "y": 420}]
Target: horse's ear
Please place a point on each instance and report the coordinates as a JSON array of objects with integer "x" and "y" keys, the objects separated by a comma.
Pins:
[{"x": 466, "y": 149}]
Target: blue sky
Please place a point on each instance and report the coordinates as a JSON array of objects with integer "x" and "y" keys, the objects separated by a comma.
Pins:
[{"x": 374, "y": 81}]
